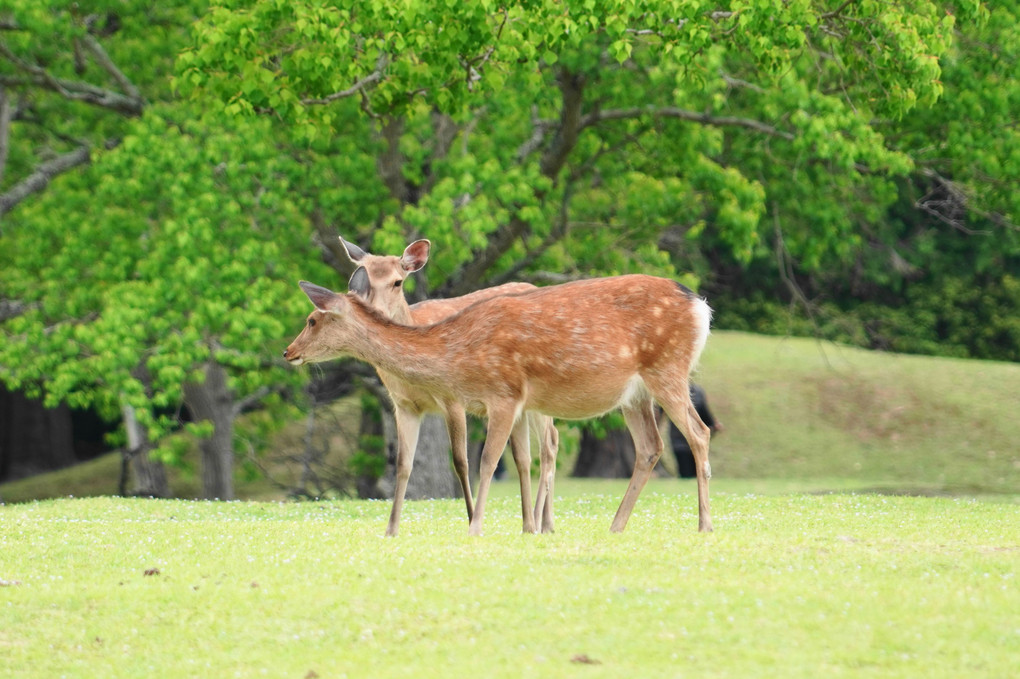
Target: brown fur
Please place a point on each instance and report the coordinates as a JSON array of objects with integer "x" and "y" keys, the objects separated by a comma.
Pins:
[
  {"x": 382, "y": 289},
  {"x": 572, "y": 351}
]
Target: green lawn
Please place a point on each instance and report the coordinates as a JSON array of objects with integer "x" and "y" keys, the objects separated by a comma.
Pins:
[
  {"x": 867, "y": 515},
  {"x": 790, "y": 584}
]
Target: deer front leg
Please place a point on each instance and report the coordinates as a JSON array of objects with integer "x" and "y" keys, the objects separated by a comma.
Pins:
[
  {"x": 456, "y": 427},
  {"x": 408, "y": 424},
  {"x": 520, "y": 445},
  {"x": 501, "y": 423}
]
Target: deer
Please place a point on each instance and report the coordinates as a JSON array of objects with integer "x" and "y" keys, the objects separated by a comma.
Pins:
[
  {"x": 379, "y": 281},
  {"x": 571, "y": 351}
]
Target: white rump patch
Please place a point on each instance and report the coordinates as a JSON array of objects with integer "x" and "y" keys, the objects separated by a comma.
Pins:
[{"x": 703, "y": 317}]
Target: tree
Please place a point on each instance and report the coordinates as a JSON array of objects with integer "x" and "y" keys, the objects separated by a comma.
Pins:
[
  {"x": 553, "y": 140},
  {"x": 750, "y": 146},
  {"x": 191, "y": 278},
  {"x": 932, "y": 266},
  {"x": 69, "y": 83}
]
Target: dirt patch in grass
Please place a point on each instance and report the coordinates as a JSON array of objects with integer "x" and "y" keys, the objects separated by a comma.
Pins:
[{"x": 874, "y": 411}]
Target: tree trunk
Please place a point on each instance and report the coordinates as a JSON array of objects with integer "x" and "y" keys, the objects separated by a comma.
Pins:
[
  {"x": 432, "y": 475},
  {"x": 213, "y": 401},
  {"x": 149, "y": 475},
  {"x": 611, "y": 457}
]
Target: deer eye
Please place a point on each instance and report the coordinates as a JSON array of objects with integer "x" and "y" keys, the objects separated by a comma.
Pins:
[{"x": 311, "y": 322}]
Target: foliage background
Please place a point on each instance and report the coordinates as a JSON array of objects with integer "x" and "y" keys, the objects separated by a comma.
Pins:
[{"x": 843, "y": 169}]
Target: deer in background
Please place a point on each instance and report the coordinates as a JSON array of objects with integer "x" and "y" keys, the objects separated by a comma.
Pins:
[
  {"x": 570, "y": 351},
  {"x": 379, "y": 281}
]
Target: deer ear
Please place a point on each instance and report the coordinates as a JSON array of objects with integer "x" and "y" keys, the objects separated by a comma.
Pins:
[
  {"x": 355, "y": 253},
  {"x": 324, "y": 299},
  {"x": 359, "y": 283},
  {"x": 416, "y": 255}
]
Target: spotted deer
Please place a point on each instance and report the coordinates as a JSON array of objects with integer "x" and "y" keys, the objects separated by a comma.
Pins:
[
  {"x": 570, "y": 351},
  {"x": 379, "y": 281}
]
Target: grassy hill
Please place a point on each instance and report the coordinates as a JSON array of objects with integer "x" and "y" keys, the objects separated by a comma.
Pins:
[
  {"x": 798, "y": 413},
  {"x": 803, "y": 409}
]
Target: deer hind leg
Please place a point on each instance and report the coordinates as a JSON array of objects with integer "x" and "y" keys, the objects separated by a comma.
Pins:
[
  {"x": 501, "y": 423},
  {"x": 549, "y": 439},
  {"x": 520, "y": 445},
  {"x": 677, "y": 404},
  {"x": 640, "y": 417},
  {"x": 408, "y": 424},
  {"x": 700, "y": 433},
  {"x": 456, "y": 427}
]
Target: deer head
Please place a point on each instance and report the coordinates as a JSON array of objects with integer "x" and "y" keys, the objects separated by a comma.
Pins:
[
  {"x": 324, "y": 332},
  {"x": 383, "y": 286}
]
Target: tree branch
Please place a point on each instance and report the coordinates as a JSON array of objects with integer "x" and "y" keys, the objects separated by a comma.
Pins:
[
  {"x": 104, "y": 61},
  {"x": 552, "y": 161},
  {"x": 6, "y": 113},
  {"x": 839, "y": 10},
  {"x": 683, "y": 114},
  {"x": 71, "y": 89},
  {"x": 370, "y": 79},
  {"x": 949, "y": 203},
  {"x": 737, "y": 82},
  {"x": 250, "y": 400},
  {"x": 40, "y": 179},
  {"x": 534, "y": 142},
  {"x": 559, "y": 231},
  {"x": 10, "y": 308},
  {"x": 572, "y": 89},
  {"x": 333, "y": 252}
]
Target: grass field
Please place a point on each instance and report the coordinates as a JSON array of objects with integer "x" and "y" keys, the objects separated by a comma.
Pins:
[
  {"x": 790, "y": 584},
  {"x": 867, "y": 515}
]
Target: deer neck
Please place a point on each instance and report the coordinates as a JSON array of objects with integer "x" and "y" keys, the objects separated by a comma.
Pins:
[{"x": 408, "y": 352}]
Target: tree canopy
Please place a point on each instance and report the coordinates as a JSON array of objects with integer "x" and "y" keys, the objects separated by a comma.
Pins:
[{"x": 167, "y": 173}]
